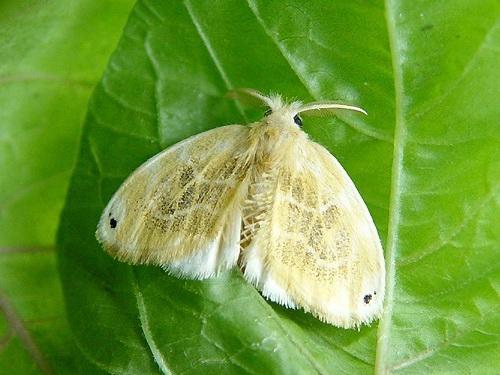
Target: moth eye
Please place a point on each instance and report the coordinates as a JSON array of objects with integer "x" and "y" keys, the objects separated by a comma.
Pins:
[
  {"x": 268, "y": 112},
  {"x": 367, "y": 298},
  {"x": 112, "y": 223},
  {"x": 297, "y": 120}
]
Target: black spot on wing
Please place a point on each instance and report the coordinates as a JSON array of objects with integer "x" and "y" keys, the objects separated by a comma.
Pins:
[
  {"x": 367, "y": 298},
  {"x": 112, "y": 223}
]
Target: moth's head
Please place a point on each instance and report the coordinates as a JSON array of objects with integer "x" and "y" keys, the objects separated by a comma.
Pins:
[{"x": 280, "y": 112}]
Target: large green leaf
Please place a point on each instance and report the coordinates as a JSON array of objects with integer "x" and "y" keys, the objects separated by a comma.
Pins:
[
  {"x": 52, "y": 54},
  {"x": 425, "y": 160}
]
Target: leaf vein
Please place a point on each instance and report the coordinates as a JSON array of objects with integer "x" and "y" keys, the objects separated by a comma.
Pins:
[
  {"x": 16, "y": 324},
  {"x": 465, "y": 71},
  {"x": 429, "y": 352},
  {"x": 155, "y": 351},
  {"x": 433, "y": 248},
  {"x": 211, "y": 52},
  {"x": 368, "y": 132}
]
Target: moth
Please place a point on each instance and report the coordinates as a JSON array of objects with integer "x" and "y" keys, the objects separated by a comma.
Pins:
[{"x": 264, "y": 197}]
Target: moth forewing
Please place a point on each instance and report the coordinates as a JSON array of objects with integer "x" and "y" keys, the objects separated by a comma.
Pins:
[{"x": 181, "y": 209}]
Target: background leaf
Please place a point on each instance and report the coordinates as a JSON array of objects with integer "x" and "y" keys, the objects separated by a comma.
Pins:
[
  {"x": 442, "y": 310},
  {"x": 52, "y": 53},
  {"x": 425, "y": 160}
]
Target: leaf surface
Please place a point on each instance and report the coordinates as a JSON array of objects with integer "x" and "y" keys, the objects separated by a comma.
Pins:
[
  {"x": 425, "y": 160},
  {"x": 52, "y": 54}
]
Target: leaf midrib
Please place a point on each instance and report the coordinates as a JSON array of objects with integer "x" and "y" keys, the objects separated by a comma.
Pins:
[{"x": 385, "y": 324}]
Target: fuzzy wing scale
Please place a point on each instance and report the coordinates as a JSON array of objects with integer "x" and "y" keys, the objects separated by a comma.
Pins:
[
  {"x": 317, "y": 246},
  {"x": 180, "y": 209}
]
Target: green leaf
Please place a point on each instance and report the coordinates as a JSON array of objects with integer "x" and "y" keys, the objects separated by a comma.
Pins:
[
  {"x": 425, "y": 160},
  {"x": 52, "y": 53},
  {"x": 442, "y": 309}
]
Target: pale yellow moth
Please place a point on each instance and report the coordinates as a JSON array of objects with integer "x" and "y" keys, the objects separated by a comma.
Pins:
[{"x": 265, "y": 197}]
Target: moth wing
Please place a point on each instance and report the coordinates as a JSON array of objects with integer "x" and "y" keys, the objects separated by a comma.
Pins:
[
  {"x": 181, "y": 208},
  {"x": 317, "y": 246}
]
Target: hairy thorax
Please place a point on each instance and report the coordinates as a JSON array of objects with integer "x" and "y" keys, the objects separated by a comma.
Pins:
[{"x": 274, "y": 141}]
